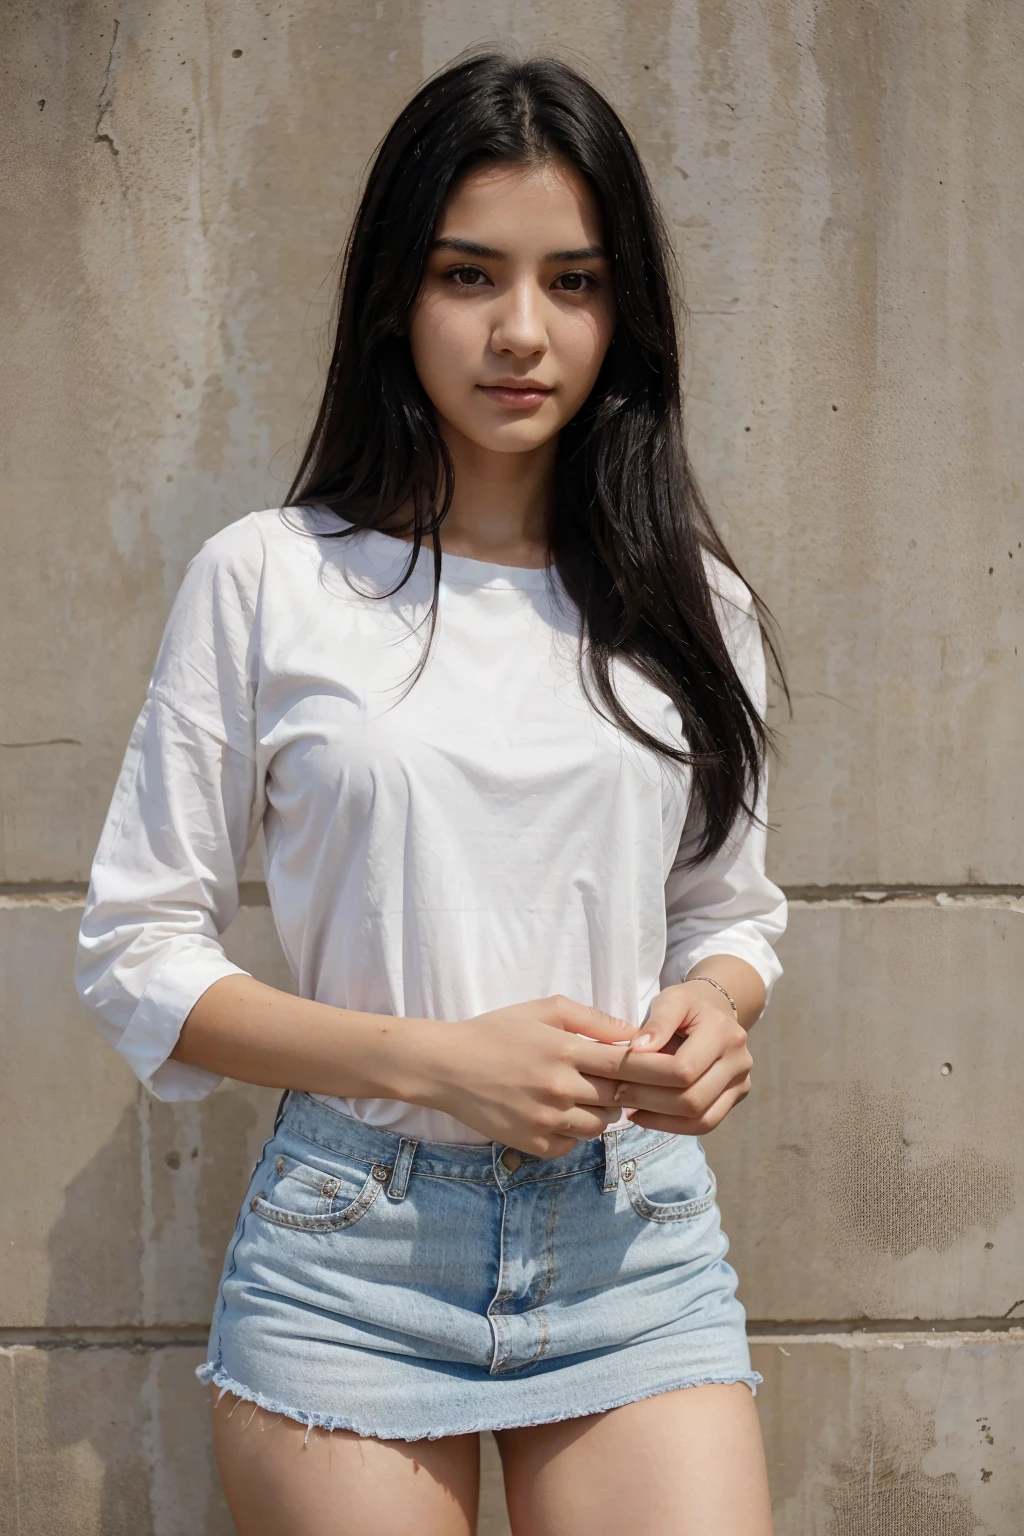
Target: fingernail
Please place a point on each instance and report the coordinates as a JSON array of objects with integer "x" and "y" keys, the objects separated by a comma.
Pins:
[{"x": 642, "y": 1040}]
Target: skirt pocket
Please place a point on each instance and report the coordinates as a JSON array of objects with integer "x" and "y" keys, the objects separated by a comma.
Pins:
[
  {"x": 668, "y": 1171},
  {"x": 299, "y": 1196}
]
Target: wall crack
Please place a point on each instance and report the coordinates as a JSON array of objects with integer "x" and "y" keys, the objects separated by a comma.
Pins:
[{"x": 104, "y": 131}]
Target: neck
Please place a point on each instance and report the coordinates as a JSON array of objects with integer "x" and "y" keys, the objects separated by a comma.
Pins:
[{"x": 501, "y": 509}]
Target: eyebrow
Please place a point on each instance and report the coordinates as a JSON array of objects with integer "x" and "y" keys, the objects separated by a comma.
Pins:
[{"x": 471, "y": 248}]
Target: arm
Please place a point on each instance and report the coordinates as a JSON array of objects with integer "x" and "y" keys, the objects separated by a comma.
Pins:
[
  {"x": 527, "y": 1075},
  {"x": 690, "y": 1065}
]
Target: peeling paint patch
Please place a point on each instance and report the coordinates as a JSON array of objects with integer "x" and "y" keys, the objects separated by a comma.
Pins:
[{"x": 878, "y": 1495}]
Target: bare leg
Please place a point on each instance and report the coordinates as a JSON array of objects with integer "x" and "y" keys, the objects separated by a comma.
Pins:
[
  {"x": 687, "y": 1463},
  {"x": 278, "y": 1483}
]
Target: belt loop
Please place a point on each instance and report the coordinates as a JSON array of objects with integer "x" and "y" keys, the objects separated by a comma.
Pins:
[
  {"x": 280, "y": 1110},
  {"x": 611, "y": 1161},
  {"x": 402, "y": 1169}
]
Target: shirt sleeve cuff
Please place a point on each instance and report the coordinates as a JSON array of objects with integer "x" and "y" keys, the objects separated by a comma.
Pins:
[
  {"x": 759, "y": 954},
  {"x": 156, "y": 1024}
]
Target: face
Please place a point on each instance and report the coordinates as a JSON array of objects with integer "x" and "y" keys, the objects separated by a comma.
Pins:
[{"x": 516, "y": 311}]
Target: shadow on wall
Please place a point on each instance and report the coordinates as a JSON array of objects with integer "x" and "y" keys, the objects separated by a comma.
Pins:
[{"x": 138, "y": 1247}]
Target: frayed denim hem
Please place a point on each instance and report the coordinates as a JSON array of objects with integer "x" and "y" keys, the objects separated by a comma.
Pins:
[{"x": 214, "y": 1376}]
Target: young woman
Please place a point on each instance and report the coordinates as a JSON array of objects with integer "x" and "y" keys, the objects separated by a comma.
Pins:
[{"x": 494, "y": 691}]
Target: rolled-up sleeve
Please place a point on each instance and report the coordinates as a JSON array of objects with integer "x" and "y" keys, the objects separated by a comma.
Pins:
[
  {"x": 185, "y": 812},
  {"x": 727, "y": 905}
]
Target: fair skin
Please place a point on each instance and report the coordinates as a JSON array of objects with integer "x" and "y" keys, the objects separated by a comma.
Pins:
[{"x": 508, "y": 334}]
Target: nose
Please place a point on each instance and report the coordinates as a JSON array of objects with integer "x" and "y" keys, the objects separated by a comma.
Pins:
[{"x": 519, "y": 325}]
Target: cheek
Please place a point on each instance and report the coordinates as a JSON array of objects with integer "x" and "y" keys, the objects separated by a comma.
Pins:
[
  {"x": 582, "y": 344},
  {"x": 444, "y": 345}
]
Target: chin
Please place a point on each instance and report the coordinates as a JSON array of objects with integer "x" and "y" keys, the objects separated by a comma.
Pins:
[{"x": 511, "y": 437}]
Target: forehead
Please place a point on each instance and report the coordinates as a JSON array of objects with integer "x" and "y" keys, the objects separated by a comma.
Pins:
[{"x": 526, "y": 204}]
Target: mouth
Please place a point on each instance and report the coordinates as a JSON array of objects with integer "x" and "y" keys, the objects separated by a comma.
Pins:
[{"x": 517, "y": 396}]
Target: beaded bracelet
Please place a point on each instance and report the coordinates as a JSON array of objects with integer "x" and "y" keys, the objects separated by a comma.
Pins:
[{"x": 718, "y": 987}]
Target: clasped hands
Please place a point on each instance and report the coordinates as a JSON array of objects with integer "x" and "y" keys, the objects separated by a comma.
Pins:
[{"x": 543, "y": 1075}]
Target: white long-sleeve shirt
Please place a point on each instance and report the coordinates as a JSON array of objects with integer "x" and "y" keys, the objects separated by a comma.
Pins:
[{"x": 481, "y": 838}]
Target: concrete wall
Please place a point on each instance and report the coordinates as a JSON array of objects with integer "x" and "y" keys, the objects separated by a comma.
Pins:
[{"x": 843, "y": 184}]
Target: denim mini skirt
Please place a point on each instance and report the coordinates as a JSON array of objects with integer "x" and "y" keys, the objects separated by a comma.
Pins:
[{"x": 413, "y": 1289}]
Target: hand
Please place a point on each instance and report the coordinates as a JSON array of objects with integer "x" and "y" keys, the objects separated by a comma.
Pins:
[
  {"x": 526, "y": 1076},
  {"x": 693, "y": 1067}
]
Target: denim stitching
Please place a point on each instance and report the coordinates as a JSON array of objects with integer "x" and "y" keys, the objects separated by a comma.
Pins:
[
  {"x": 676, "y": 1210},
  {"x": 403, "y": 1168},
  {"x": 333, "y": 1223}
]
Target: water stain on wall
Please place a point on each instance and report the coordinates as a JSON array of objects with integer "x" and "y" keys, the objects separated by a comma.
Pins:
[{"x": 888, "y": 1191}]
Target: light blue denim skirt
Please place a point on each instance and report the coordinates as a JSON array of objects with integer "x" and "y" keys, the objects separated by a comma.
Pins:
[{"x": 410, "y": 1290}]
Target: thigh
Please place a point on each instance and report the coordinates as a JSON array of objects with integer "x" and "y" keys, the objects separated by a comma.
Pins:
[
  {"x": 687, "y": 1463},
  {"x": 279, "y": 1482}
]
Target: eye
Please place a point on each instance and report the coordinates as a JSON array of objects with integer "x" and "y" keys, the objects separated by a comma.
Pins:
[
  {"x": 576, "y": 282},
  {"x": 466, "y": 277}
]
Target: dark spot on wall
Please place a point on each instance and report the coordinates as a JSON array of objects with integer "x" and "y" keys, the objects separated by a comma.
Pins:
[
  {"x": 236, "y": 53},
  {"x": 895, "y": 1197},
  {"x": 172, "y": 1159}
]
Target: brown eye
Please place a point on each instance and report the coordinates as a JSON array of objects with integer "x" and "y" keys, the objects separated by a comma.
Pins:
[
  {"x": 575, "y": 282},
  {"x": 466, "y": 277}
]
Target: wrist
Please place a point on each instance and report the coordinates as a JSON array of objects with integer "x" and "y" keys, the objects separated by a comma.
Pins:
[
  {"x": 713, "y": 992},
  {"x": 410, "y": 1059}
]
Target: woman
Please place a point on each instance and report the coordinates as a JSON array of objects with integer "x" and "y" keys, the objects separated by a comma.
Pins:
[{"x": 492, "y": 688}]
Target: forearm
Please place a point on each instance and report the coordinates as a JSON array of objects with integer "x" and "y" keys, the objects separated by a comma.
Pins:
[
  {"x": 740, "y": 980},
  {"x": 242, "y": 1029}
]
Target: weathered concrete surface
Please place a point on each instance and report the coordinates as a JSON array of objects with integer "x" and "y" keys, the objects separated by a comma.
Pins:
[
  {"x": 108, "y": 1441},
  {"x": 114, "y": 1441},
  {"x": 843, "y": 184},
  {"x": 859, "y": 1179},
  {"x": 123, "y": 1206},
  {"x": 894, "y": 1435}
]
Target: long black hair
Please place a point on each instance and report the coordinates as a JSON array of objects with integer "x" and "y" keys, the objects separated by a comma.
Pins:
[{"x": 630, "y": 524}]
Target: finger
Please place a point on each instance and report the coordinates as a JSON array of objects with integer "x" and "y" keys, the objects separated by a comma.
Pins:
[
  {"x": 592, "y": 1059},
  {"x": 581, "y": 1019},
  {"x": 596, "y": 1090},
  {"x": 703, "y": 1125},
  {"x": 576, "y": 1125},
  {"x": 584, "y": 1123},
  {"x": 711, "y": 1037},
  {"x": 686, "y": 1103},
  {"x": 550, "y": 1146}
]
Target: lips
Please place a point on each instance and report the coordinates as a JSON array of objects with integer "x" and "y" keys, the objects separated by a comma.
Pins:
[{"x": 518, "y": 396}]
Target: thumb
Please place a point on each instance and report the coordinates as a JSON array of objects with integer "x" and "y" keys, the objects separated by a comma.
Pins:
[{"x": 661, "y": 1023}]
